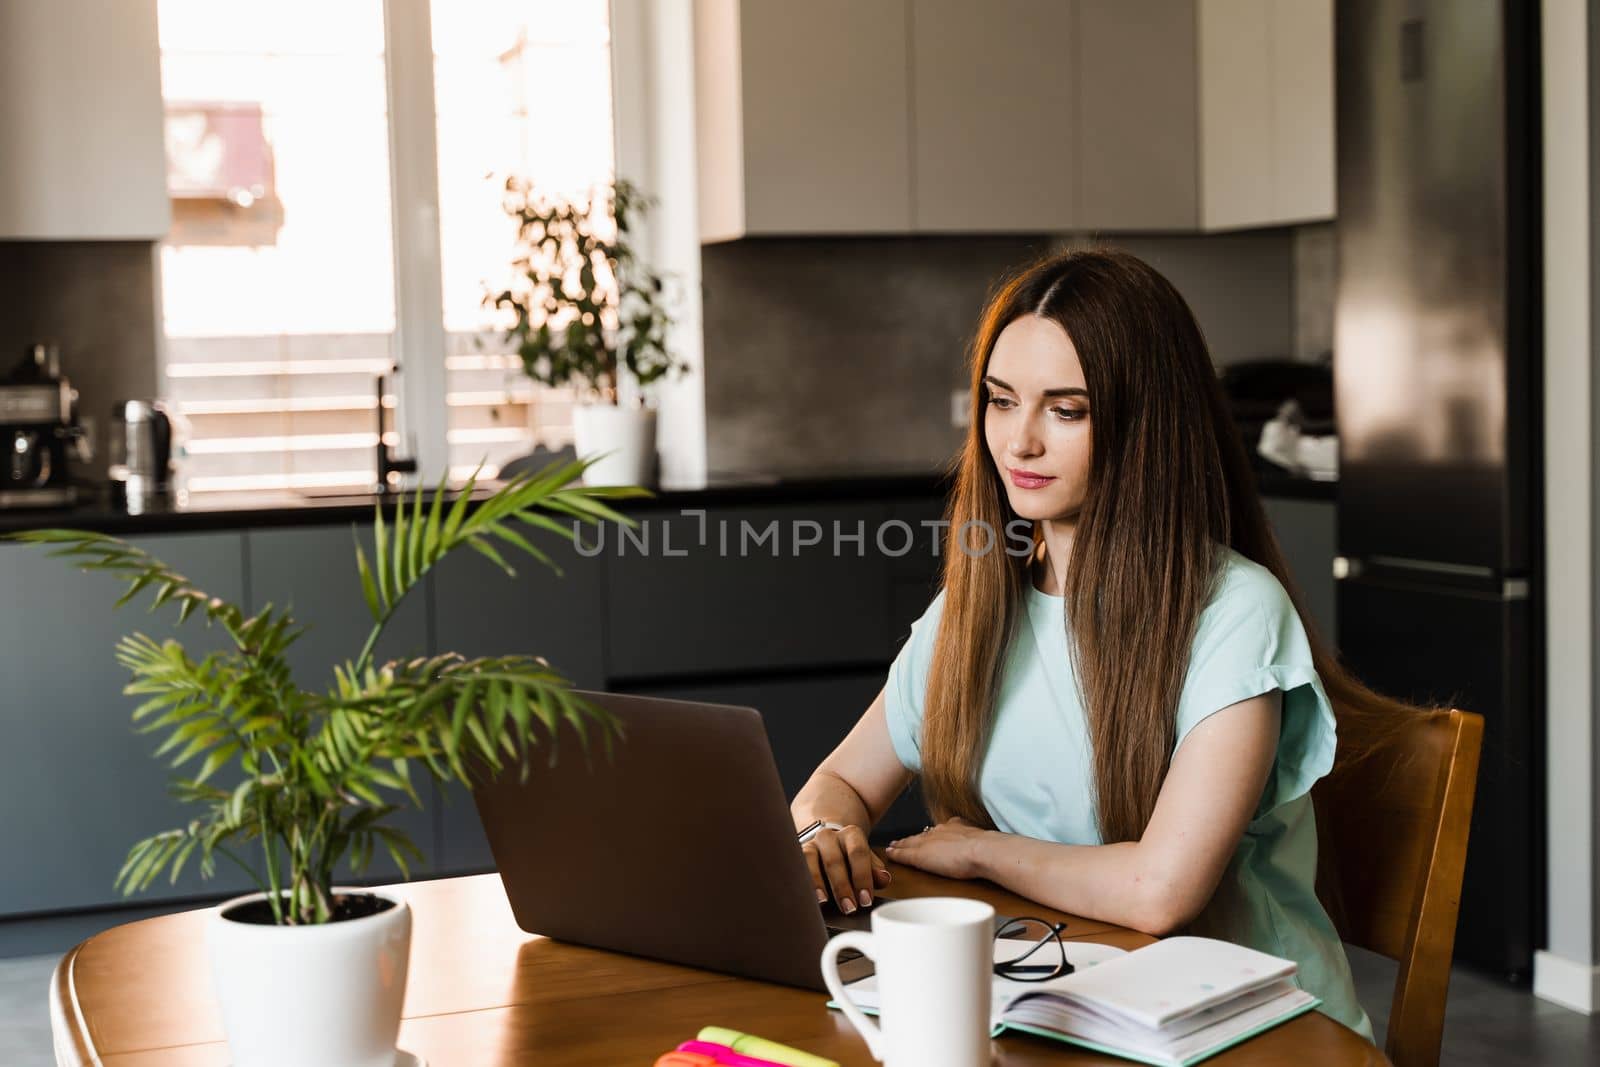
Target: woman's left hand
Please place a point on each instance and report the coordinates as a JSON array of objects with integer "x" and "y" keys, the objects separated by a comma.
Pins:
[{"x": 949, "y": 849}]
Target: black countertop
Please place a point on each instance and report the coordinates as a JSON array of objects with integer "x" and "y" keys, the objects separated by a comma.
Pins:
[
  {"x": 1276, "y": 482},
  {"x": 98, "y": 511},
  {"x": 225, "y": 511}
]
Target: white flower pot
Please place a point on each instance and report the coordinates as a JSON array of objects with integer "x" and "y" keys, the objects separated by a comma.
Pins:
[
  {"x": 312, "y": 996},
  {"x": 627, "y": 434}
]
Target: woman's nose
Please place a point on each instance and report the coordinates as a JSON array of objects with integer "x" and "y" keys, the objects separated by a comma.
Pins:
[{"x": 1024, "y": 443}]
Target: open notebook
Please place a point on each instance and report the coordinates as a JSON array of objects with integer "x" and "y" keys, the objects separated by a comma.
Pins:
[{"x": 1172, "y": 1003}]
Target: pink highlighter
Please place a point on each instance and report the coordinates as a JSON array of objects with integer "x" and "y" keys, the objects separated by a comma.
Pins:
[{"x": 722, "y": 1054}]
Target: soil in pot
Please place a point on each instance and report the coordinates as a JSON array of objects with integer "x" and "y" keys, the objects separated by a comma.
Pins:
[{"x": 345, "y": 906}]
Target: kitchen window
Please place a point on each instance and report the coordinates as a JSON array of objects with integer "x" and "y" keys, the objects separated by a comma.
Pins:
[{"x": 289, "y": 279}]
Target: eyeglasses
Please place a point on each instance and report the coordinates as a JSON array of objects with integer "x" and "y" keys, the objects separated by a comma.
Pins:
[{"x": 1044, "y": 959}]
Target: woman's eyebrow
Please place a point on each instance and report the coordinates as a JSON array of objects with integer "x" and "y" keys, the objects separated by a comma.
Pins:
[{"x": 1062, "y": 391}]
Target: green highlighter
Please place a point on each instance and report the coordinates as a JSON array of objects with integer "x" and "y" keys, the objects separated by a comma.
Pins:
[{"x": 761, "y": 1048}]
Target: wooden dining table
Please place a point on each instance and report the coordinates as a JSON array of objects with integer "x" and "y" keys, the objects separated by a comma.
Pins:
[{"x": 484, "y": 993}]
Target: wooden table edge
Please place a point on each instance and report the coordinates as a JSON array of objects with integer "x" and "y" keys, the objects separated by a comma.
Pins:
[{"x": 68, "y": 1035}]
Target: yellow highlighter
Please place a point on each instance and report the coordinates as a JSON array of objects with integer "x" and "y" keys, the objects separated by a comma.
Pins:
[{"x": 761, "y": 1048}]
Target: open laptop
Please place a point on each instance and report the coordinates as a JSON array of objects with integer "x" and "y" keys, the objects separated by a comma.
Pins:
[{"x": 679, "y": 847}]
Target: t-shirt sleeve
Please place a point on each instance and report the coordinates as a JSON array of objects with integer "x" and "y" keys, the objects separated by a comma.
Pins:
[
  {"x": 908, "y": 686},
  {"x": 1250, "y": 641}
]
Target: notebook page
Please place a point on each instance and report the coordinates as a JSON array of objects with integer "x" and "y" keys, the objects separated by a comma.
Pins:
[
  {"x": 1154, "y": 1047},
  {"x": 1073, "y": 1017},
  {"x": 1157, "y": 984}
]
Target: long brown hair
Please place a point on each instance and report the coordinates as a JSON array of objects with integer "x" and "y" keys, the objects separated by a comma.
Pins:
[{"x": 1169, "y": 484}]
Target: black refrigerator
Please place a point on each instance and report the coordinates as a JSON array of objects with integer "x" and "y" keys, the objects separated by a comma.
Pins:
[{"x": 1437, "y": 390}]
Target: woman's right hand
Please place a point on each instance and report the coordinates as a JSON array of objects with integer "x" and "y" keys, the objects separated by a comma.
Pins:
[{"x": 844, "y": 868}]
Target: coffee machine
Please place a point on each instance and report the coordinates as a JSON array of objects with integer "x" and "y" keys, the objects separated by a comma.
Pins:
[{"x": 39, "y": 431}]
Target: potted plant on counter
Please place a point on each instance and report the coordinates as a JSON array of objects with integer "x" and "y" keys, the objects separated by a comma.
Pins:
[
  {"x": 586, "y": 309},
  {"x": 288, "y": 782}
]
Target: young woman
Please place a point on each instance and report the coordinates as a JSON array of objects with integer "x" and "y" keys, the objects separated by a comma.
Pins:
[{"x": 1126, "y": 722}]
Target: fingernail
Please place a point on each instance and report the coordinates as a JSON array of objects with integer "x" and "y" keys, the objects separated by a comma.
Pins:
[
  {"x": 866, "y": 898},
  {"x": 847, "y": 905},
  {"x": 822, "y": 898}
]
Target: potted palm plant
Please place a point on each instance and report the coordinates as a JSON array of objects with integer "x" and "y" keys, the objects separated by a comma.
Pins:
[
  {"x": 586, "y": 309},
  {"x": 288, "y": 782}
]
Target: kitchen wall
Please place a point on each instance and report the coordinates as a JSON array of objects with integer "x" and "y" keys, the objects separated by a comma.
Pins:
[
  {"x": 1567, "y": 970},
  {"x": 820, "y": 353},
  {"x": 1240, "y": 285},
  {"x": 825, "y": 353},
  {"x": 1316, "y": 273},
  {"x": 98, "y": 301}
]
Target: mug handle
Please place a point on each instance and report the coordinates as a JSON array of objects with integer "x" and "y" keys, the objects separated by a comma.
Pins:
[{"x": 862, "y": 942}]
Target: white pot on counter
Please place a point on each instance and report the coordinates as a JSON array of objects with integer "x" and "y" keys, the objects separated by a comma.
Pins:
[
  {"x": 626, "y": 436},
  {"x": 314, "y": 996}
]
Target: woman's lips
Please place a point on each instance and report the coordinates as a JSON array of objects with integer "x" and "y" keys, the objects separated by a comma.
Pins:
[{"x": 1028, "y": 479}]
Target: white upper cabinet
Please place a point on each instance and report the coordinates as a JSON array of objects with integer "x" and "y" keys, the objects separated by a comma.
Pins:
[
  {"x": 82, "y": 153},
  {"x": 1237, "y": 172},
  {"x": 1303, "y": 109},
  {"x": 1266, "y": 112},
  {"x": 801, "y": 114},
  {"x": 1137, "y": 147},
  {"x": 993, "y": 116}
]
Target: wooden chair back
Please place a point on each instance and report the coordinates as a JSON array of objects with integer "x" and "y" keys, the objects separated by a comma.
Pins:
[{"x": 1396, "y": 824}]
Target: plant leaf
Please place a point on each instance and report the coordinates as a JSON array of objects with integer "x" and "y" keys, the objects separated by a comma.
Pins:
[
  {"x": 216, "y": 759},
  {"x": 484, "y": 548},
  {"x": 380, "y": 554},
  {"x": 430, "y": 537},
  {"x": 369, "y": 587}
]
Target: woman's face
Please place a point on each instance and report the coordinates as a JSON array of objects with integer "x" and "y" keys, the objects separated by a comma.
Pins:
[{"x": 1036, "y": 419}]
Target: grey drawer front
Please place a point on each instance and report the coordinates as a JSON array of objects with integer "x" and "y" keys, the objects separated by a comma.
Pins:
[
  {"x": 81, "y": 784},
  {"x": 1307, "y": 533},
  {"x": 312, "y": 571},
  {"x": 706, "y": 612},
  {"x": 478, "y": 611}
]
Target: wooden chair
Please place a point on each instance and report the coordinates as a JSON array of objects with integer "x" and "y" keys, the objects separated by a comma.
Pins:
[{"x": 1393, "y": 830}]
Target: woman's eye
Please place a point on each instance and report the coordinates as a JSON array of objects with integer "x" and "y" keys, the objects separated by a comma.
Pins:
[
  {"x": 1000, "y": 402},
  {"x": 1068, "y": 414}
]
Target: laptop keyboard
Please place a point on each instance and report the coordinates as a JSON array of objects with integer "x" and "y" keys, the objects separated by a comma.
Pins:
[
  {"x": 853, "y": 965},
  {"x": 861, "y": 919}
]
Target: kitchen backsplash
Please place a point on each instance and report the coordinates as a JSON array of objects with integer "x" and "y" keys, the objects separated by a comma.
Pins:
[
  {"x": 1316, "y": 263},
  {"x": 842, "y": 352},
  {"x": 820, "y": 353},
  {"x": 826, "y": 353},
  {"x": 1240, "y": 285},
  {"x": 98, "y": 301}
]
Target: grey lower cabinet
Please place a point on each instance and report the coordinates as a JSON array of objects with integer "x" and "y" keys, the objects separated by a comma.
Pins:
[
  {"x": 805, "y": 718},
  {"x": 479, "y": 611},
  {"x": 81, "y": 785},
  {"x": 311, "y": 571},
  {"x": 804, "y": 633},
  {"x": 1307, "y": 531}
]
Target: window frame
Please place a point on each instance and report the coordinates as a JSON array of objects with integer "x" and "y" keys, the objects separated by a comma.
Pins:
[{"x": 422, "y": 419}]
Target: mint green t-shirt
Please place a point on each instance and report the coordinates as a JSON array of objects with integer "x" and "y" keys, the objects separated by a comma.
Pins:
[{"x": 1037, "y": 777}]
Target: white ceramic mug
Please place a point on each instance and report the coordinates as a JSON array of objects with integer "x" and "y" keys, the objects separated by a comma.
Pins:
[{"x": 935, "y": 964}]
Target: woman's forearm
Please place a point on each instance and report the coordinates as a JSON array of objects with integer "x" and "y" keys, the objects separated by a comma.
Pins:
[
  {"x": 828, "y": 797},
  {"x": 1159, "y": 883},
  {"x": 1112, "y": 883}
]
